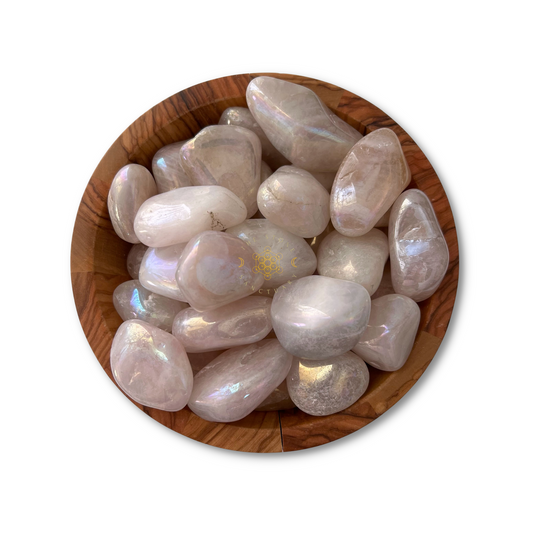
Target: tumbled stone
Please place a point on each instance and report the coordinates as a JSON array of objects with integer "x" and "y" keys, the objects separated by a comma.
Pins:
[
  {"x": 266, "y": 171},
  {"x": 360, "y": 259},
  {"x": 239, "y": 380},
  {"x": 279, "y": 255},
  {"x": 389, "y": 337},
  {"x": 134, "y": 259},
  {"x": 132, "y": 185},
  {"x": 177, "y": 216},
  {"x": 241, "y": 116},
  {"x": 293, "y": 200},
  {"x": 385, "y": 287},
  {"x": 321, "y": 388},
  {"x": 216, "y": 269},
  {"x": 242, "y": 322},
  {"x": 299, "y": 125},
  {"x": 371, "y": 177},
  {"x": 319, "y": 317},
  {"x": 277, "y": 400},
  {"x": 199, "y": 360},
  {"x": 132, "y": 300},
  {"x": 151, "y": 366},
  {"x": 418, "y": 251},
  {"x": 167, "y": 169},
  {"x": 228, "y": 156}
]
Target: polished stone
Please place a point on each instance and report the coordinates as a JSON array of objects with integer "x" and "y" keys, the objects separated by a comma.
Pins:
[
  {"x": 277, "y": 400},
  {"x": 167, "y": 169},
  {"x": 385, "y": 287},
  {"x": 199, "y": 360},
  {"x": 134, "y": 259}
]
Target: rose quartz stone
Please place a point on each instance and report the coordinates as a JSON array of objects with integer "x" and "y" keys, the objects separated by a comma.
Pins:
[
  {"x": 134, "y": 260},
  {"x": 167, "y": 169},
  {"x": 277, "y": 400},
  {"x": 199, "y": 360}
]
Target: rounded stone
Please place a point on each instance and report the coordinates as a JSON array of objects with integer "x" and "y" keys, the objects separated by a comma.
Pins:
[
  {"x": 167, "y": 169},
  {"x": 134, "y": 259}
]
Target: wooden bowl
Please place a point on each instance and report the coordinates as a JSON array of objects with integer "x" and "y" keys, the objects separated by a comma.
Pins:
[{"x": 98, "y": 265}]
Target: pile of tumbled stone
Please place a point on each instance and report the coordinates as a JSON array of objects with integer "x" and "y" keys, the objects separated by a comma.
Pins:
[{"x": 261, "y": 290}]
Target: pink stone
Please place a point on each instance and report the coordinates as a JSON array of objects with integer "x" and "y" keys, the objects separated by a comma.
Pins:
[{"x": 167, "y": 169}]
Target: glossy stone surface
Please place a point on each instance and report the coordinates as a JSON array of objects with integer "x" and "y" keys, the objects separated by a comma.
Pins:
[
  {"x": 158, "y": 271},
  {"x": 418, "y": 251},
  {"x": 321, "y": 388},
  {"x": 177, "y": 216},
  {"x": 131, "y": 186},
  {"x": 132, "y": 300},
  {"x": 385, "y": 287},
  {"x": 228, "y": 156},
  {"x": 242, "y": 322},
  {"x": 293, "y": 200},
  {"x": 279, "y": 255},
  {"x": 299, "y": 125},
  {"x": 239, "y": 380},
  {"x": 358, "y": 259},
  {"x": 216, "y": 269},
  {"x": 319, "y": 317},
  {"x": 277, "y": 400},
  {"x": 167, "y": 169},
  {"x": 389, "y": 337},
  {"x": 199, "y": 360},
  {"x": 241, "y": 116},
  {"x": 134, "y": 259},
  {"x": 371, "y": 177},
  {"x": 151, "y": 366}
]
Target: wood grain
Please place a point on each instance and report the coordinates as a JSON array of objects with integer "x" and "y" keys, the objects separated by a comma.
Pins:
[{"x": 98, "y": 265}]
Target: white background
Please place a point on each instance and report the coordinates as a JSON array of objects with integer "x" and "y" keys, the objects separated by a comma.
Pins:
[{"x": 453, "y": 455}]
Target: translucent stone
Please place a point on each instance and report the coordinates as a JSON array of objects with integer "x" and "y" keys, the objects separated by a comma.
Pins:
[
  {"x": 241, "y": 116},
  {"x": 132, "y": 300},
  {"x": 199, "y": 360},
  {"x": 266, "y": 171},
  {"x": 385, "y": 287},
  {"x": 293, "y": 200},
  {"x": 242, "y": 322},
  {"x": 315, "y": 242},
  {"x": 418, "y": 251},
  {"x": 321, "y": 388},
  {"x": 299, "y": 125},
  {"x": 177, "y": 216},
  {"x": 239, "y": 380},
  {"x": 134, "y": 260},
  {"x": 277, "y": 400},
  {"x": 132, "y": 185},
  {"x": 228, "y": 156},
  {"x": 216, "y": 269},
  {"x": 389, "y": 337},
  {"x": 318, "y": 317},
  {"x": 167, "y": 169},
  {"x": 371, "y": 177},
  {"x": 279, "y": 255},
  {"x": 151, "y": 366},
  {"x": 158, "y": 271},
  {"x": 359, "y": 259}
]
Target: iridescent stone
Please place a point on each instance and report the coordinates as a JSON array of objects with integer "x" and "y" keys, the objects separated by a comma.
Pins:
[
  {"x": 299, "y": 125},
  {"x": 385, "y": 287},
  {"x": 167, "y": 169},
  {"x": 360, "y": 259},
  {"x": 371, "y": 177},
  {"x": 389, "y": 337},
  {"x": 321, "y": 388},
  {"x": 132, "y": 300},
  {"x": 318, "y": 317},
  {"x": 279, "y": 255},
  {"x": 239, "y": 380},
  {"x": 242, "y": 322},
  {"x": 134, "y": 260},
  {"x": 216, "y": 269},
  {"x": 228, "y": 156},
  {"x": 418, "y": 251},
  {"x": 278, "y": 400},
  {"x": 151, "y": 366},
  {"x": 266, "y": 171},
  {"x": 177, "y": 216},
  {"x": 199, "y": 360},
  {"x": 132, "y": 185},
  {"x": 293, "y": 200}
]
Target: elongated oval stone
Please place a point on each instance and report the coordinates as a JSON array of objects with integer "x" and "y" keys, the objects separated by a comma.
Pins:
[
  {"x": 134, "y": 259},
  {"x": 319, "y": 317},
  {"x": 358, "y": 259},
  {"x": 371, "y": 177},
  {"x": 167, "y": 169},
  {"x": 278, "y": 399},
  {"x": 216, "y": 269},
  {"x": 158, "y": 271},
  {"x": 132, "y": 185},
  {"x": 299, "y": 125},
  {"x": 199, "y": 360},
  {"x": 279, "y": 255},
  {"x": 321, "y": 388},
  {"x": 242, "y": 322},
  {"x": 389, "y": 337},
  {"x": 132, "y": 300},
  {"x": 418, "y": 251},
  {"x": 151, "y": 366},
  {"x": 293, "y": 200},
  {"x": 177, "y": 216},
  {"x": 239, "y": 380},
  {"x": 228, "y": 156}
]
